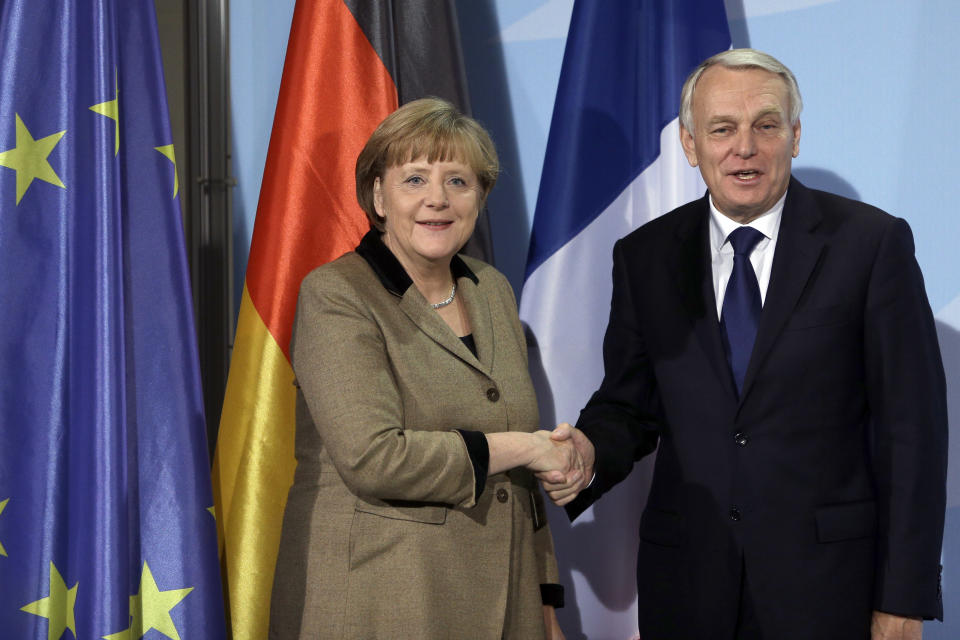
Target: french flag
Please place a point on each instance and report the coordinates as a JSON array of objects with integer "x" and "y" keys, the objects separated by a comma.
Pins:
[{"x": 613, "y": 162}]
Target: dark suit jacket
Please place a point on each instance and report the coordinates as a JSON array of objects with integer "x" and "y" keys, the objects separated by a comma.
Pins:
[{"x": 824, "y": 482}]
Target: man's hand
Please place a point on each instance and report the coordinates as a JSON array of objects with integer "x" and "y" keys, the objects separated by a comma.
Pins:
[
  {"x": 563, "y": 492},
  {"x": 886, "y": 626}
]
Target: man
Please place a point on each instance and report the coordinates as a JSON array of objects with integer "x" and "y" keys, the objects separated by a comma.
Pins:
[{"x": 776, "y": 345}]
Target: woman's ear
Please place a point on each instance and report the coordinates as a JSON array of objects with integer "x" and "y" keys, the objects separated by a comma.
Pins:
[{"x": 378, "y": 196}]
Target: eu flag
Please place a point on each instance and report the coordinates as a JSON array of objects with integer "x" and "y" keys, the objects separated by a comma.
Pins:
[{"x": 106, "y": 521}]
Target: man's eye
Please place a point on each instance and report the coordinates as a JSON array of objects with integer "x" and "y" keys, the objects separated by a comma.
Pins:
[{"x": 720, "y": 131}]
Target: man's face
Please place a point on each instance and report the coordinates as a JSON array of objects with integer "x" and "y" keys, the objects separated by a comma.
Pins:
[{"x": 742, "y": 140}]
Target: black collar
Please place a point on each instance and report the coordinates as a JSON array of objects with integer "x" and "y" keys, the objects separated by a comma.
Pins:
[{"x": 391, "y": 273}]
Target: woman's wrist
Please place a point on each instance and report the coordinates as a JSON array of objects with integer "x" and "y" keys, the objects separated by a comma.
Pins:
[{"x": 511, "y": 449}]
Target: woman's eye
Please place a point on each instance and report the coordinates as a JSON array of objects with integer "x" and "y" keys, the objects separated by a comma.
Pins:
[
  {"x": 460, "y": 182},
  {"x": 415, "y": 180}
]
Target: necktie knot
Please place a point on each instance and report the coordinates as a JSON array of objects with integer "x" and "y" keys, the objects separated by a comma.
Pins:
[{"x": 744, "y": 240}]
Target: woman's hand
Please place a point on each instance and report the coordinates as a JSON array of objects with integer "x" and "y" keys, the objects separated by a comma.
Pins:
[
  {"x": 551, "y": 624},
  {"x": 564, "y": 492},
  {"x": 557, "y": 460}
]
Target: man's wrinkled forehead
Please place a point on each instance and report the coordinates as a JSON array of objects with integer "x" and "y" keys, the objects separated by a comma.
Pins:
[{"x": 730, "y": 86}]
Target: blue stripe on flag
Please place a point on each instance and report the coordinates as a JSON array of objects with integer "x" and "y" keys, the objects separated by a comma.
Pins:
[
  {"x": 605, "y": 174},
  {"x": 623, "y": 68}
]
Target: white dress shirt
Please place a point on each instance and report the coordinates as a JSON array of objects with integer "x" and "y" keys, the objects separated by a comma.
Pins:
[{"x": 721, "y": 251}]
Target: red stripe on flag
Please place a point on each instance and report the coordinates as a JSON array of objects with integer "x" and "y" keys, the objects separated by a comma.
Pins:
[{"x": 308, "y": 213}]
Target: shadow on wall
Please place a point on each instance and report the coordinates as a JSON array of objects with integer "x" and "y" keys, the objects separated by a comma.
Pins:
[
  {"x": 737, "y": 21},
  {"x": 545, "y": 398},
  {"x": 603, "y": 551},
  {"x": 490, "y": 101},
  {"x": 825, "y": 181},
  {"x": 950, "y": 628}
]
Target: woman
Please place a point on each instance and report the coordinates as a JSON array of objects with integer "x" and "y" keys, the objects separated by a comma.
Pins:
[{"x": 413, "y": 512}]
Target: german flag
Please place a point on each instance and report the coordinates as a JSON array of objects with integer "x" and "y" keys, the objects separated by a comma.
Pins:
[{"x": 349, "y": 63}]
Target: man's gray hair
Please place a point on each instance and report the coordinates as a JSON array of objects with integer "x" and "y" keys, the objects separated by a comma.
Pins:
[{"x": 740, "y": 59}]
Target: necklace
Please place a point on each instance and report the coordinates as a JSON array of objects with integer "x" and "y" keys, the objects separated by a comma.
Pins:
[{"x": 443, "y": 303}]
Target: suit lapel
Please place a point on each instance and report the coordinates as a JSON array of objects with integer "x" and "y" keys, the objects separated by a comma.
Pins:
[
  {"x": 391, "y": 276},
  {"x": 481, "y": 324},
  {"x": 692, "y": 266},
  {"x": 427, "y": 320},
  {"x": 797, "y": 253}
]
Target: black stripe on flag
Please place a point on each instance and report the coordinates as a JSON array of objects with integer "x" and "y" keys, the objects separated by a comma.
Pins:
[{"x": 419, "y": 44}]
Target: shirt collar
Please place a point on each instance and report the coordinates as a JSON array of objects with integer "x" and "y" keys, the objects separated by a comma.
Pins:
[
  {"x": 391, "y": 273},
  {"x": 721, "y": 226}
]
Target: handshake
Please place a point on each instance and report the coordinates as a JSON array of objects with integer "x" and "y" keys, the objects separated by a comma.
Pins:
[{"x": 563, "y": 462}]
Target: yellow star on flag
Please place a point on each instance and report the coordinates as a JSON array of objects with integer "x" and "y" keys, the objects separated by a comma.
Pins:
[
  {"x": 3, "y": 505},
  {"x": 56, "y": 607},
  {"x": 150, "y": 609},
  {"x": 29, "y": 158},
  {"x": 111, "y": 109},
  {"x": 167, "y": 150},
  {"x": 126, "y": 634}
]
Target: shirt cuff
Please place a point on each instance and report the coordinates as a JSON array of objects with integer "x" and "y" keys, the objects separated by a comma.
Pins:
[
  {"x": 592, "y": 478},
  {"x": 552, "y": 595},
  {"x": 479, "y": 452}
]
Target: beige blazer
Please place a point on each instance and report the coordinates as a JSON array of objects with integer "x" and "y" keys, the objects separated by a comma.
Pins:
[{"x": 383, "y": 534}]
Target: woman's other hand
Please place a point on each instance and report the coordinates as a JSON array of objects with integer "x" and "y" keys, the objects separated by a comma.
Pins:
[{"x": 551, "y": 624}]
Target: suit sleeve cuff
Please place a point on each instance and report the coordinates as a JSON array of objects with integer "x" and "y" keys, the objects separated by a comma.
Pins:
[
  {"x": 479, "y": 453},
  {"x": 552, "y": 595}
]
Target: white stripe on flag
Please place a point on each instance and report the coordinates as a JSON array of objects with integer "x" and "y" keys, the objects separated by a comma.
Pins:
[{"x": 566, "y": 302}]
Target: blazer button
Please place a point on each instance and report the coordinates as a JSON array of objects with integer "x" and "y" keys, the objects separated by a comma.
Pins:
[
  {"x": 502, "y": 495},
  {"x": 492, "y": 394},
  {"x": 735, "y": 514},
  {"x": 741, "y": 439}
]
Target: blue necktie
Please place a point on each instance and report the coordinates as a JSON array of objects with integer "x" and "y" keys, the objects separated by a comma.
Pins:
[{"x": 740, "y": 314}]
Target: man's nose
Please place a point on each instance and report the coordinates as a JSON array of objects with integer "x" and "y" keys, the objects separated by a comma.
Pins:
[{"x": 746, "y": 144}]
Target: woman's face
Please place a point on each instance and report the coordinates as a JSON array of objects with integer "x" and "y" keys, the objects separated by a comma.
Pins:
[{"x": 430, "y": 210}]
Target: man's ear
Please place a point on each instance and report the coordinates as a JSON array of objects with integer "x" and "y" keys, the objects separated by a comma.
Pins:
[
  {"x": 689, "y": 146},
  {"x": 796, "y": 139}
]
